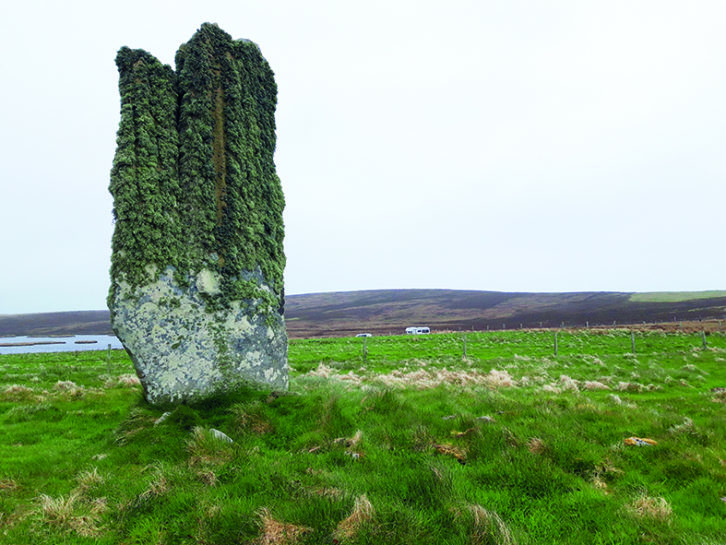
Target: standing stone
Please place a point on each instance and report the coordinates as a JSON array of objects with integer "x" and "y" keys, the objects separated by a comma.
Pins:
[{"x": 197, "y": 264}]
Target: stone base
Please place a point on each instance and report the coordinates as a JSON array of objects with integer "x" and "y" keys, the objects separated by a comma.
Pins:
[{"x": 182, "y": 352}]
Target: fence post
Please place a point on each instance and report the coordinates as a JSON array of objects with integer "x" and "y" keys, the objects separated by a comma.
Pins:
[
  {"x": 556, "y": 343},
  {"x": 365, "y": 349},
  {"x": 108, "y": 361},
  {"x": 632, "y": 341},
  {"x": 463, "y": 337},
  {"x": 703, "y": 337}
]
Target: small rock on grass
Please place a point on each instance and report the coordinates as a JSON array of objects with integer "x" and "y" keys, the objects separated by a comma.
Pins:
[
  {"x": 220, "y": 435},
  {"x": 161, "y": 418}
]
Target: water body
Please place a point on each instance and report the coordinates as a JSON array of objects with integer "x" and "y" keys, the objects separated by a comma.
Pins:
[{"x": 74, "y": 343}]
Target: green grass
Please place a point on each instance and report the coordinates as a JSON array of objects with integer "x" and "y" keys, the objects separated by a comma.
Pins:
[
  {"x": 674, "y": 296},
  {"x": 407, "y": 443}
]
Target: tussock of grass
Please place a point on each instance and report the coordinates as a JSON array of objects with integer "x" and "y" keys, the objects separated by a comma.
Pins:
[
  {"x": 536, "y": 445},
  {"x": 275, "y": 532},
  {"x": 88, "y": 479},
  {"x": 205, "y": 448},
  {"x": 455, "y": 452},
  {"x": 128, "y": 380},
  {"x": 65, "y": 386},
  {"x": 17, "y": 392},
  {"x": 489, "y": 528},
  {"x": 362, "y": 514},
  {"x": 249, "y": 417},
  {"x": 652, "y": 508},
  {"x": 158, "y": 486},
  {"x": 8, "y": 484},
  {"x": 594, "y": 385},
  {"x": 73, "y": 513},
  {"x": 58, "y": 510}
]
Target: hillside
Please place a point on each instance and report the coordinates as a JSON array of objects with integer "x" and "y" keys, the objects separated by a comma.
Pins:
[{"x": 391, "y": 311}]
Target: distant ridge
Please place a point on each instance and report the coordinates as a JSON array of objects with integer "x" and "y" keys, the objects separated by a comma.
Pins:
[
  {"x": 391, "y": 311},
  {"x": 84, "y": 322}
]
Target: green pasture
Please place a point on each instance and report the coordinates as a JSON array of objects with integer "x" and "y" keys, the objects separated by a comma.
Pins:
[
  {"x": 674, "y": 296},
  {"x": 390, "y": 440}
]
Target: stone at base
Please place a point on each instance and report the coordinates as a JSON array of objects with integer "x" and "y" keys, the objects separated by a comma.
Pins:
[{"x": 183, "y": 353}]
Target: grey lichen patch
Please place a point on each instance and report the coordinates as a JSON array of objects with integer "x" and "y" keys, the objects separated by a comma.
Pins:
[
  {"x": 184, "y": 353},
  {"x": 208, "y": 282}
]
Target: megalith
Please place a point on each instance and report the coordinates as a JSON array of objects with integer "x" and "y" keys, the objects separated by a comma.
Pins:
[{"x": 197, "y": 294}]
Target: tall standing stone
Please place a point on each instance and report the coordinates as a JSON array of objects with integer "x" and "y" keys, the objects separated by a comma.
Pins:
[{"x": 197, "y": 264}]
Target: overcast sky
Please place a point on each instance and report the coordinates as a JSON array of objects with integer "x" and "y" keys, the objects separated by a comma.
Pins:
[{"x": 503, "y": 145}]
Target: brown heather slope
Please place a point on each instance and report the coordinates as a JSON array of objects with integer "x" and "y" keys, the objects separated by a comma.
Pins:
[{"x": 391, "y": 311}]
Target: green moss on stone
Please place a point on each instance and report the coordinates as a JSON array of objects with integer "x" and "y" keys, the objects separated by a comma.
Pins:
[{"x": 193, "y": 179}]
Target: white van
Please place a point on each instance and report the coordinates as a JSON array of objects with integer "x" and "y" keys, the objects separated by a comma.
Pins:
[{"x": 417, "y": 331}]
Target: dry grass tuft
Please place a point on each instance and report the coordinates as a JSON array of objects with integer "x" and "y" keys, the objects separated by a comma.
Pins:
[
  {"x": 568, "y": 383},
  {"x": 72, "y": 514},
  {"x": 350, "y": 442},
  {"x": 600, "y": 484},
  {"x": 208, "y": 477},
  {"x": 65, "y": 385},
  {"x": 362, "y": 513},
  {"x": 488, "y": 527},
  {"x": 629, "y": 387},
  {"x": 8, "y": 484},
  {"x": 69, "y": 388},
  {"x": 651, "y": 508},
  {"x": 465, "y": 433},
  {"x": 275, "y": 532},
  {"x": 595, "y": 385},
  {"x": 594, "y": 360},
  {"x": 451, "y": 450},
  {"x": 535, "y": 445},
  {"x": 58, "y": 511},
  {"x": 17, "y": 392},
  {"x": 157, "y": 487},
  {"x": 128, "y": 380},
  {"x": 87, "y": 480},
  {"x": 551, "y": 389}
]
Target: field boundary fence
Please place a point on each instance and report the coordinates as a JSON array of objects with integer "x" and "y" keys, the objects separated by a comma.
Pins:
[{"x": 491, "y": 345}]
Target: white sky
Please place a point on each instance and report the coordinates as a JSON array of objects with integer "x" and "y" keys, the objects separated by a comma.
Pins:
[{"x": 504, "y": 145}]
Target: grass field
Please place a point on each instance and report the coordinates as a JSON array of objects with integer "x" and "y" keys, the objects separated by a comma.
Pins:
[
  {"x": 396, "y": 440},
  {"x": 674, "y": 296}
]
